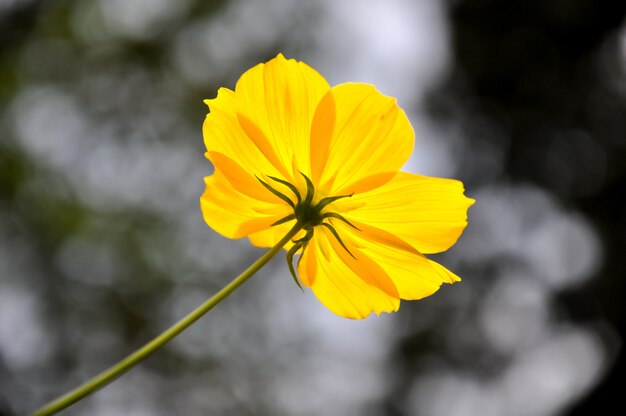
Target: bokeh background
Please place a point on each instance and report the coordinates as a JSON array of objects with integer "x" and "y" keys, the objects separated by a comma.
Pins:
[{"x": 102, "y": 244}]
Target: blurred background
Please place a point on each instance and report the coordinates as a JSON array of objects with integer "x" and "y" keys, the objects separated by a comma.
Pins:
[{"x": 102, "y": 244}]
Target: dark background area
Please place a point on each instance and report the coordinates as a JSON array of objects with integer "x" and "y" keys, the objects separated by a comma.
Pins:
[
  {"x": 550, "y": 76},
  {"x": 102, "y": 244}
]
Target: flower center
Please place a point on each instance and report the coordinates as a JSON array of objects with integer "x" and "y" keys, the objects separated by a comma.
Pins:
[{"x": 308, "y": 214}]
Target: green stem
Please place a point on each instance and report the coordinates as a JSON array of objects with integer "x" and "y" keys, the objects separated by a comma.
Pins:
[{"x": 127, "y": 363}]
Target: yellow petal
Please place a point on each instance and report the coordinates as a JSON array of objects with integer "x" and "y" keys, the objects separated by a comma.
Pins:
[
  {"x": 275, "y": 105},
  {"x": 272, "y": 235},
  {"x": 349, "y": 288},
  {"x": 446, "y": 275},
  {"x": 368, "y": 270},
  {"x": 414, "y": 276},
  {"x": 223, "y": 135},
  {"x": 428, "y": 213},
  {"x": 233, "y": 214},
  {"x": 239, "y": 178},
  {"x": 357, "y": 134},
  {"x": 307, "y": 267}
]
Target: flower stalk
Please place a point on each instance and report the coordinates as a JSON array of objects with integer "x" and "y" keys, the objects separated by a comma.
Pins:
[{"x": 142, "y": 353}]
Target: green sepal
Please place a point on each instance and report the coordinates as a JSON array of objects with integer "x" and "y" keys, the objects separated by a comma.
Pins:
[
  {"x": 292, "y": 251},
  {"x": 325, "y": 201},
  {"x": 310, "y": 189},
  {"x": 334, "y": 232},
  {"x": 284, "y": 220},
  {"x": 288, "y": 185},
  {"x": 307, "y": 236},
  {"x": 340, "y": 217},
  {"x": 277, "y": 193}
]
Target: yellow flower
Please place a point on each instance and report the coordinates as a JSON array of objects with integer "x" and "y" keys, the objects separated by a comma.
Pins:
[{"x": 287, "y": 147}]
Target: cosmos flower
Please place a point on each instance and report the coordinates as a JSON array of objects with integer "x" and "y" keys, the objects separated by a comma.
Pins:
[{"x": 291, "y": 151}]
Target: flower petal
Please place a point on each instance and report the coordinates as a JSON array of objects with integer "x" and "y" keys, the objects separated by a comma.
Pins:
[
  {"x": 307, "y": 266},
  {"x": 241, "y": 180},
  {"x": 349, "y": 288},
  {"x": 358, "y": 133},
  {"x": 276, "y": 102},
  {"x": 271, "y": 236},
  {"x": 227, "y": 144},
  {"x": 414, "y": 276},
  {"x": 233, "y": 214},
  {"x": 428, "y": 213}
]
